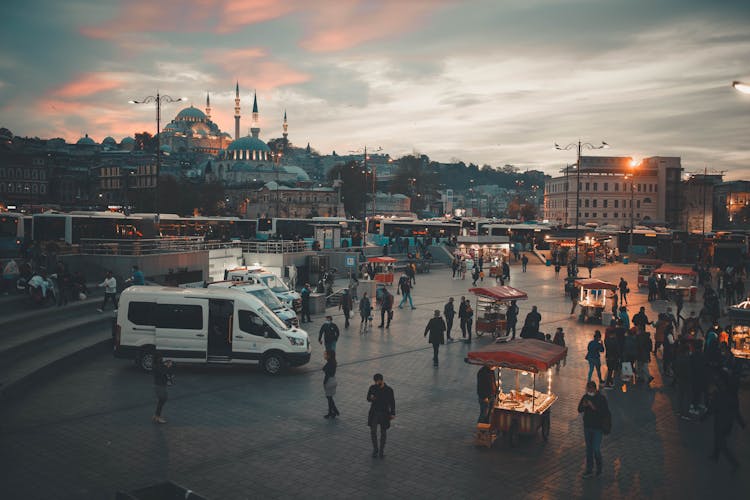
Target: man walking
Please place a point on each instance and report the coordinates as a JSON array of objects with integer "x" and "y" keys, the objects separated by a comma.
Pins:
[
  {"x": 623, "y": 286},
  {"x": 404, "y": 286},
  {"x": 386, "y": 309},
  {"x": 524, "y": 262},
  {"x": 382, "y": 411},
  {"x": 595, "y": 411},
  {"x": 365, "y": 313},
  {"x": 449, "y": 312},
  {"x": 329, "y": 333},
  {"x": 486, "y": 389},
  {"x": 346, "y": 304},
  {"x": 435, "y": 327},
  {"x": 305, "y": 294},
  {"x": 110, "y": 291},
  {"x": 462, "y": 316},
  {"x": 512, "y": 319}
]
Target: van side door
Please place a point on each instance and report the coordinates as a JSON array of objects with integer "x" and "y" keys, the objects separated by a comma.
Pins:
[{"x": 182, "y": 328}]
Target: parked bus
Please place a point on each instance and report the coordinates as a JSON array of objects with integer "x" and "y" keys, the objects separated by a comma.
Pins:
[
  {"x": 71, "y": 227},
  {"x": 13, "y": 233},
  {"x": 293, "y": 228},
  {"x": 210, "y": 228}
]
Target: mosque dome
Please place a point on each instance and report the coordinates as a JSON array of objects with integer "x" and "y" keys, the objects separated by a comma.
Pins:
[
  {"x": 109, "y": 141},
  {"x": 86, "y": 141},
  {"x": 127, "y": 140},
  {"x": 191, "y": 114},
  {"x": 249, "y": 143}
]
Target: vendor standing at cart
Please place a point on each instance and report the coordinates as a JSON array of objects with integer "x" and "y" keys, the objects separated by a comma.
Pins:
[
  {"x": 512, "y": 319},
  {"x": 486, "y": 390}
]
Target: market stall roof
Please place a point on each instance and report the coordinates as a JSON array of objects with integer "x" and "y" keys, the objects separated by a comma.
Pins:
[
  {"x": 383, "y": 260},
  {"x": 594, "y": 284},
  {"x": 522, "y": 354},
  {"x": 740, "y": 313},
  {"x": 500, "y": 292},
  {"x": 650, "y": 262},
  {"x": 675, "y": 269}
]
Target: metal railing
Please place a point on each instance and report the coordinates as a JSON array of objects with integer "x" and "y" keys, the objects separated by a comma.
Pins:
[
  {"x": 92, "y": 246},
  {"x": 277, "y": 246}
]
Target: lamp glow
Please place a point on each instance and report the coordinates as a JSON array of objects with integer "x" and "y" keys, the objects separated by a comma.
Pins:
[{"x": 741, "y": 86}]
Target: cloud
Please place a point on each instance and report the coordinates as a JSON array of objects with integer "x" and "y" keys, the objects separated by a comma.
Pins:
[{"x": 88, "y": 84}]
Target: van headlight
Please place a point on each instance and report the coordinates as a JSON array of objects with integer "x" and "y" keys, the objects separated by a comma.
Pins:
[{"x": 296, "y": 341}]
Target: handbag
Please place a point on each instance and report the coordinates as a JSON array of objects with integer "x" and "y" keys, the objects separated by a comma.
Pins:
[{"x": 626, "y": 370}]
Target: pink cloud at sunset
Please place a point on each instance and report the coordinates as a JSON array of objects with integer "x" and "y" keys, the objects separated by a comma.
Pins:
[
  {"x": 88, "y": 84},
  {"x": 251, "y": 65}
]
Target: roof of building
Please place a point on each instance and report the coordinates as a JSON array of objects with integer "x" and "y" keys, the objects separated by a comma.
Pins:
[
  {"x": 86, "y": 141},
  {"x": 249, "y": 143},
  {"x": 127, "y": 140},
  {"x": 190, "y": 112},
  {"x": 109, "y": 140}
]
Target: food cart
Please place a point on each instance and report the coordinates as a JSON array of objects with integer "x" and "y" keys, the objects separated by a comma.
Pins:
[
  {"x": 383, "y": 269},
  {"x": 593, "y": 298},
  {"x": 645, "y": 268},
  {"x": 739, "y": 318},
  {"x": 680, "y": 280},
  {"x": 523, "y": 410},
  {"x": 492, "y": 307}
]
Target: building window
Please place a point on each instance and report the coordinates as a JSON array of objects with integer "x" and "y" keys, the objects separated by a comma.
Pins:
[
  {"x": 586, "y": 214},
  {"x": 616, "y": 214},
  {"x": 617, "y": 186},
  {"x": 606, "y": 186},
  {"x": 594, "y": 200},
  {"x": 638, "y": 204},
  {"x": 595, "y": 186},
  {"x": 586, "y": 203},
  {"x": 604, "y": 204},
  {"x": 587, "y": 186},
  {"x": 604, "y": 215},
  {"x": 594, "y": 215},
  {"x": 646, "y": 200},
  {"x": 617, "y": 203}
]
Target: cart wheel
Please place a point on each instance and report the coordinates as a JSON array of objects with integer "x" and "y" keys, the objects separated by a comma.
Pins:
[
  {"x": 513, "y": 436},
  {"x": 479, "y": 333},
  {"x": 545, "y": 426}
]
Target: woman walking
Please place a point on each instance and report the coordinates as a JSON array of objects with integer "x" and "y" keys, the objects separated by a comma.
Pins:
[
  {"x": 162, "y": 377},
  {"x": 365, "y": 312},
  {"x": 593, "y": 356},
  {"x": 329, "y": 383}
]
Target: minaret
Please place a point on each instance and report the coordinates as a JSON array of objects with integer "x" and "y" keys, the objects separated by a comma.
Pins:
[
  {"x": 208, "y": 106},
  {"x": 255, "y": 126},
  {"x": 237, "y": 111},
  {"x": 286, "y": 132}
]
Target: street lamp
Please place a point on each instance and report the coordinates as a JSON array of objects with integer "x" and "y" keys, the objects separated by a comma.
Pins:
[
  {"x": 157, "y": 99},
  {"x": 364, "y": 170},
  {"x": 579, "y": 145},
  {"x": 741, "y": 86},
  {"x": 633, "y": 165},
  {"x": 276, "y": 160}
]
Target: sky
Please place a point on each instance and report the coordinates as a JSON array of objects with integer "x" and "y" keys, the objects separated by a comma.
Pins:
[{"x": 490, "y": 82}]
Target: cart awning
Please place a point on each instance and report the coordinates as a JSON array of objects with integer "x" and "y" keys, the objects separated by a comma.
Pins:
[
  {"x": 500, "y": 292},
  {"x": 674, "y": 269},
  {"x": 594, "y": 284},
  {"x": 740, "y": 314},
  {"x": 522, "y": 354},
  {"x": 382, "y": 260}
]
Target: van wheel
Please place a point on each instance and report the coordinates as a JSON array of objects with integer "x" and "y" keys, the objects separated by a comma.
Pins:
[
  {"x": 145, "y": 360},
  {"x": 273, "y": 363}
]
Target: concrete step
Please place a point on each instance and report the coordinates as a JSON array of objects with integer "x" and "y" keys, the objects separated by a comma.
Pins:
[{"x": 23, "y": 310}]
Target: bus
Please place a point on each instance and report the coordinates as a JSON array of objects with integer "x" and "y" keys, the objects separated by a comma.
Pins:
[
  {"x": 14, "y": 230},
  {"x": 210, "y": 228},
  {"x": 291, "y": 228},
  {"x": 71, "y": 227},
  {"x": 411, "y": 228}
]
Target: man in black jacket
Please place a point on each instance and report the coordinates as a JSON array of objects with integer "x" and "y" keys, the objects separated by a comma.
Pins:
[
  {"x": 512, "y": 319},
  {"x": 386, "y": 309},
  {"x": 329, "y": 333},
  {"x": 435, "y": 327},
  {"x": 382, "y": 411},
  {"x": 449, "y": 313},
  {"x": 462, "y": 316},
  {"x": 595, "y": 411},
  {"x": 486, "y": 389}
]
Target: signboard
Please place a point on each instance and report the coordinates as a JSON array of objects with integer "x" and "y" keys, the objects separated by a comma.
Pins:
[{"x": 350, "y": 261}]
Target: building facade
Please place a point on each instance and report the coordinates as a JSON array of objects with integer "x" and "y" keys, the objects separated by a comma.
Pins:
[
  {"x": 613, "y": 191},
  {"x": 731, "y": 202},
  {"x": 696, "y": 215},
  {"x": 276, "y": 200}
]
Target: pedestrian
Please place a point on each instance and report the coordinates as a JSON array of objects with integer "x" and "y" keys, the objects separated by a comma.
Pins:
[
  {"x": 660, "y": 332},
  {"x": 386, "y": 309},
  {"x": 511, "y": 318},
  {"x": 353, "y": 286},
  {"x": 346, "y": 304},
  {"x": 624, "y": 318},
  {"x": 486, "y": 389},
  {"x": 668, "y": 353},
  {"x": 110, "y": 291},
  {"x": 404, "y": 287},
  {"x": 612, "y": 356},
  {"x": 506, "y": 272},
  {"x": 382, "y": 411},
  {"x": 474, "y": 276},
  {"x": 136, "y": 276},
  {"x": 329, "y": 333},
  {"x": 559, "y": 338},
  {"x": 684, "y": 378},
  {"x": 435, "y": 327},
  {"x": 463, "y": 269},
  {"x": 630, "y": 351},
  {"x": 573, "y": 294},
  {"x": 365, "y": 313},
  {"x": 531, "y": 323},
  {"x": 557, "y": 269},
  {"x": 593, "y": 356},
  {"x": 329, "y": 383},
  {"x": 644, "y": 347},
  {"x": 590, "y": 265},
  {"x": 65, "y": 283},
  {"x": 162, "y": 371},
  {"x": 469, "y": 318},
  {"x": 679, "y": 302},
  {"x": 449, "y": 312},
  {"x": 462, "y": 316},
  {"x": 624, "y": 290},
  {"x": 596, "y": 420},
  {"x": 662, "y": 286},
  {"x": 652, "y": 287},
  {"x": 524, "y": 262},
  {"x": 724, "y": 406},
  {"x": 305, "y": 294},
  {"x": 614, "y": 297},
  {"x": 640, "y": 320}
]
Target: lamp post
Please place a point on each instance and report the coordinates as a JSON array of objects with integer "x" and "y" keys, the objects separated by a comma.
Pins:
[
  {"x": 633, "y": 165},
  {"x": 276, "y": 161},
  {"x": 364, "y": 170},
  {"x": 157, "y": 99},
  {"x": 579, "y": 145}
]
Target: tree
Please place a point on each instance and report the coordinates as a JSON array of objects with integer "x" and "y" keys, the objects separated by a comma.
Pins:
[
  {"x": 145, "y": 142},
  {"x": 412, "y": 180},
  {"x": 355, "y": 185}
]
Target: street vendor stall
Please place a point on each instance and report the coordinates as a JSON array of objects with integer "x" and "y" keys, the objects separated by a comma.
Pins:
[
  {"x": 645, "y": 268},
  {"x": 680, "y": 280},
  {"x": 383, "y": 269},
  {"x": 492, "y": 308},
  {"x": 522, "y": 410},
  {"x": 739, "y": 341},
  {"x": 593, "y": 298}
]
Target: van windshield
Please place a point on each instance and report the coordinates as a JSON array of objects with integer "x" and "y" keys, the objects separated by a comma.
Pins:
[
  {"x": 271, "y": 319},
  {"x": 267, "y": 297},
  {"x": 275, "y": 284}
]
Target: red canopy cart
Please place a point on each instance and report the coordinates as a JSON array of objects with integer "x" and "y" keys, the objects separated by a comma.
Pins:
[
  {"x": 522, "y": 410},
  {"x": 593, "y": 298},
  {"x": 383, "y": 269},
  {"x": 680, "y": 279},
  {"x": 645, "y": 268},
  {"x": 492, "y": 307}
]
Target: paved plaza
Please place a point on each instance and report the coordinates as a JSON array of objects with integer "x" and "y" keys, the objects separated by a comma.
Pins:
[{"x": 236, "y": 433}]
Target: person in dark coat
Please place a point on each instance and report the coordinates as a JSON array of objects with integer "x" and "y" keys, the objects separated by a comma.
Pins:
[
  {"x": 450, "y": 313},
  {"x": 531, "y": 323},
  {"x": 365, "y": 312},
  {"x": 329, "y": 333},
  {"x": 346, "y": 304},
  {"x": 329, "y": 383},
  {"x": 162, "y": 371},
  {"x": 386, "y": 309},
  {"x": 724, "y": 406},
  {"x": 435, "y": 327},
  {"x": 305, "y": 294},
  {"x": 611, "y": 355},
  {"x": 462, "y": 316},
  {"x": 468, "y": 319},
  {"x": 382, "y": 411},
  {"x": 486, "y": 389},
  {"x": 512, "y": 319},
  {"x": 524, "y": 262},
  {"x": 594, "y": 407}
]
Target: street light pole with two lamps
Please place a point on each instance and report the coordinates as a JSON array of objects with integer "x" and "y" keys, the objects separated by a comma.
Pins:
[
  {"x": 579, "y": 145},
  {"x": 157, "y": 99}
]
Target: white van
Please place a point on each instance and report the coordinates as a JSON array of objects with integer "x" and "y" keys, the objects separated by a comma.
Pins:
[
  {"x": 260, "y": 276},
  {"x": 205, "y": 325},
  {"x": 265, "y": 295}
]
